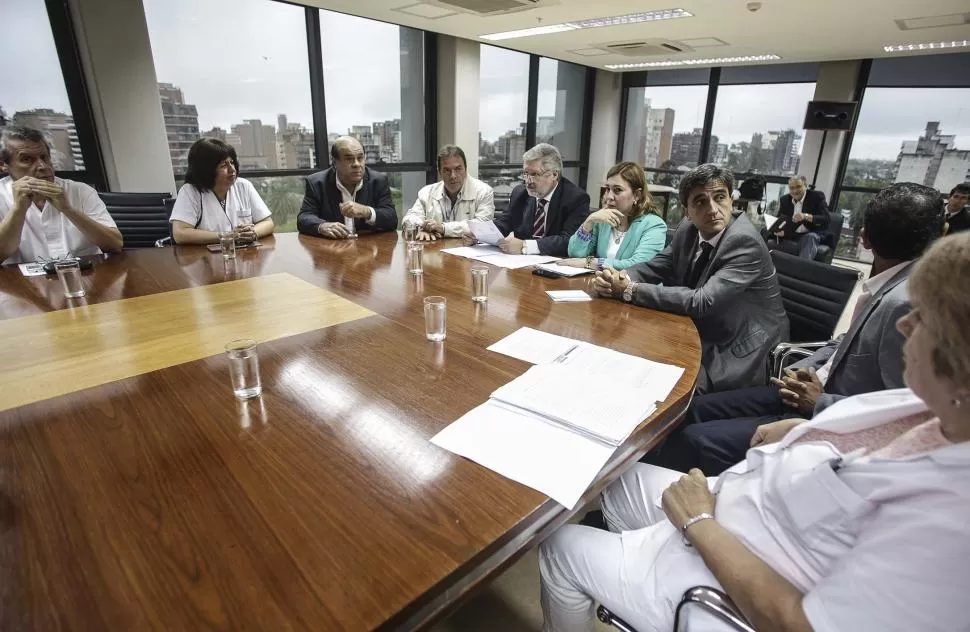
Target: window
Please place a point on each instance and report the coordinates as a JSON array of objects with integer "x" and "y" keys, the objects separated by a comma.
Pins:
[
  {"x": 664, "y": 126},
  {"x": 758, "y": 128},
  {"x": 503, "y": 109},
  {"x": 284, "y": 196},
  {"x": 236, "y": 70},
  {"x": 32, "y": 91},
  {"x": 559, "y": 119},
  {"x": 903, "y": 135}
]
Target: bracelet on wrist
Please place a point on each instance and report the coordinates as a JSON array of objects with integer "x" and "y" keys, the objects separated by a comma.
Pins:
[{"x": 691, "y": 522}]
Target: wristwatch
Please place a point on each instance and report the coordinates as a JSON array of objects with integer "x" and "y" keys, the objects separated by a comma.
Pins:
[
  {"x": 525, "y": 248},
  {"x": 628, "y": 292}
]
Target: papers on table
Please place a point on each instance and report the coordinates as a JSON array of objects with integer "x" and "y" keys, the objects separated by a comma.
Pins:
[
  {"x": 569, "y": 271},
  {"x": 544, "y": 429},
  {"x": 569, "y": 296},
  {"x": 486, "y": 232},
  {"x": 32, "y": 269},
  {"x": 493, "y": 256}
]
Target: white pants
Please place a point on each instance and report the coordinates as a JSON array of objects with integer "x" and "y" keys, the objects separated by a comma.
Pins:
[{"x": 639, "y": 575}]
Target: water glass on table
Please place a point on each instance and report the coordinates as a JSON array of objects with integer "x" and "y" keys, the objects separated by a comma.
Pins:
[
  {"x": 244, "y": 368},
  {"x": 479, "y": 284},
  {"x": 227, "y": 243},
  {"x": 69, "y": 272},
  {"x": 435, "y": 318},
  {"x": 351, "y": 227},
  {"x": 416, "y": 258},
  {"x": 409, "y": 230}
]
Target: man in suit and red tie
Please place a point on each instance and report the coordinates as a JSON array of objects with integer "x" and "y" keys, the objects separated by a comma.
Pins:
[
  {"x": 805, "y": 215},
  {"x": 545, "y": 211}
]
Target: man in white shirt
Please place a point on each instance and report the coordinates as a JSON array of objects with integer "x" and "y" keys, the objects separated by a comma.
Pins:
[
  {"x": 44, "y": 217},
  {"x": 443, "y": 209},
  {"x": 806, "y": 216}
]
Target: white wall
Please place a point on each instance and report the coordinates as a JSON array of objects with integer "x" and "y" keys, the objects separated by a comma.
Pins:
[
  {"x": 117, "y": 58},
  {"x": 604, "y": 135},
  {"x": 836, "y": 82},
  {"x": 458, "y": 98}
]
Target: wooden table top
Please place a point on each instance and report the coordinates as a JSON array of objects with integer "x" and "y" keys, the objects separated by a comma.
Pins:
[{"x": 149, "y": 498}]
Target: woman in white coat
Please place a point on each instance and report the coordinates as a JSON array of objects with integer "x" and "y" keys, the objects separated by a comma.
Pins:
[
  {"x": 856, "y": 520},
  {"x": 214, "y": 199}
]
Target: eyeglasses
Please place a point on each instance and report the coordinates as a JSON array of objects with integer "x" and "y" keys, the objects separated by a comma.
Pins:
[{"x": 525, "y": 176}]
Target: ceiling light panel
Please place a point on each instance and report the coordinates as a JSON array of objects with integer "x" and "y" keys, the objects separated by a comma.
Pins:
[
  {"x": 538, "y": 30},
  {"x": 901, "y": 48},
  {"x": 693, "y": 62},
  {"x": 592, "y": 23}
]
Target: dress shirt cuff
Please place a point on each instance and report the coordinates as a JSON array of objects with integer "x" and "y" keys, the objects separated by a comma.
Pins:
[
  {"x": 373, "y": 216},
  {"x": 531, "y": 247}
]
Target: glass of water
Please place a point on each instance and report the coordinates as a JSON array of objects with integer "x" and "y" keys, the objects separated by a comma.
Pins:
[
  {"x": 410, "y": 232},
  {"x": 435, "y": 318},
  {"x": 227, "y": 242},
  {"x": 416, "y": 258},
  {"x": 69, "y": 272},
  {"x": 245, "y": 217},
  {"x": 244, "y": 368},
  {"x": 351, "y": 227},
  {"x": 479, "y": 284}
]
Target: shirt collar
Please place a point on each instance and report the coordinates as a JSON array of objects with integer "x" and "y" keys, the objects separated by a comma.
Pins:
[
  {"x": 461, "y": 192},
  {"x": 713, "y": 241},
  {"x": 876, "y": 283},
  {"x": 548, "y": 196}
]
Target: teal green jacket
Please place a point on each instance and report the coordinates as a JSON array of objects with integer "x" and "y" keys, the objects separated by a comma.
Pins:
[{"x": 646, "y": 237}]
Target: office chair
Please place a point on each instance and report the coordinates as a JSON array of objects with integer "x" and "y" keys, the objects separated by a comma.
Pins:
[
  {"x": 709, "y": 600},
  {"x": 826, "y": 246},
  {"x": 142, "y": 218}
]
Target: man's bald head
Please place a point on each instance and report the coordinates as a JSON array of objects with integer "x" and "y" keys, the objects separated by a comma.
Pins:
[{"x": 347, "y": 157}]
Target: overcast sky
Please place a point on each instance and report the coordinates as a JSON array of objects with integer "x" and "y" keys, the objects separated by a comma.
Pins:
[{"x": 243, "y": 59}]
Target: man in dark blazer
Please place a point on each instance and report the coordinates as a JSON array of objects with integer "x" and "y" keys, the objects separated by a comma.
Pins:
[
  {"x": 718, "y": 271},
  {"x": 346, "y": 189},
  {"x": 545, "y": 211},
  {"x": 899, "y": 225},
  {"x": 957, "y": 211},
  {"x": 806, "y": 216}
]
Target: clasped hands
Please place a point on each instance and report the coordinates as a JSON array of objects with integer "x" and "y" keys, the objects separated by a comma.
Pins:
[
  {"x": 610, "y": 283},
  {"x": 28, "y": 190},
  {"x": 800, "y": 389}
]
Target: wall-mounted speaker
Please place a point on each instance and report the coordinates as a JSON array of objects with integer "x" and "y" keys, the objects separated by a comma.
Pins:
[{"x": 832, "y": 115}]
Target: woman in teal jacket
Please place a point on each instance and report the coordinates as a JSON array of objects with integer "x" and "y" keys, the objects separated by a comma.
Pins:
[{"x": 627, "y": 231}]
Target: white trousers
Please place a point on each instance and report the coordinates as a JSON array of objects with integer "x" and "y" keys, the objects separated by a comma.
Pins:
[{"x": 639, "y": 574}]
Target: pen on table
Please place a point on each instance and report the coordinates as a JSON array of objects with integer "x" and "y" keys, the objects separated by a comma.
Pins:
[{"x": 563, "y": 357}]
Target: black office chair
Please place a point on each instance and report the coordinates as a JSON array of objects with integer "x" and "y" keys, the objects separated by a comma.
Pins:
[
  {"x": 142, "y": 218},
  {"x": 826, "y": 246},
  {"x": 708, "y": 599}
]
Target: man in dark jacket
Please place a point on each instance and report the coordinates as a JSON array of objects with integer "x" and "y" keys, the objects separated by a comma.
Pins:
[
  {"x": 957, "y": 212},
  {"x": 805, "y": 215},
  {"x": 346, "y": 189}
]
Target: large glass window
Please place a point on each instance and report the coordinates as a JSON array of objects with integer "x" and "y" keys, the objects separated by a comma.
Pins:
[
  {"x": 758, "y": 128},
  {"x": 903, "y": 135},
  {"x": 235, "y": 70},
  {"x": 503, "y": 106},
  {"x": 32, "y": 91},
  {"x": 664, "y": 126},
  {"x": 559, "y": 112}
]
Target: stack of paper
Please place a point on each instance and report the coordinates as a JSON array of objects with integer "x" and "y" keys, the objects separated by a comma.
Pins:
[
  {"x": 569, "y": 296},
  {"x": 493, "y": 256},
  {"x": 568, "y": 271}
]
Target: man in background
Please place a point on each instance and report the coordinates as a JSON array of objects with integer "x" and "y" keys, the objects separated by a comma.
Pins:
[
  {"x": 957, "y": 213},
  {"x": 806, "y": 218}
]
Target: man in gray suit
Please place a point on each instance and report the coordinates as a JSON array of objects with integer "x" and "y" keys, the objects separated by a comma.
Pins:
[
  {"x": 899, "y": 224},
  {"x": 716, "y": 270}
]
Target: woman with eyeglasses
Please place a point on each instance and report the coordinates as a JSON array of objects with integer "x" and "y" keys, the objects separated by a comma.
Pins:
[
  {"x": 214, "y": 199},
  {"x": 626, "y": 231}
]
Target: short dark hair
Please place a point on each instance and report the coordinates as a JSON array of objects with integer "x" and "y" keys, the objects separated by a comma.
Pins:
[
  {"x": 21, "y": 133},
  {"x": 701, "y": 176},
  {"x": 204, "y": 158},
  {"x": 450, "y": 151},
  {"x": 903, "y": 219},
  {"x": 963, "y": 187}
]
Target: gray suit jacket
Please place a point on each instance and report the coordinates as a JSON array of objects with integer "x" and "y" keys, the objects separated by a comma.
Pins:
[
  {"x": 736, "y": 307},
  {"x": 869, "y": 357}
]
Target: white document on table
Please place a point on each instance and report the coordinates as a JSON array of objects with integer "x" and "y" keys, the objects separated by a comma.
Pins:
[
  {"x": 569, "y": 296},
  {"x": 514, "y": 262},
  {"x": 486, "y": 232},
  {"x": 534, "y": 346},
  {"x": 557, "y": 462},
  {"x": 626, "y": 370},
  {"x": 569, "y": 271},
  {"x": 32, "y": 269},
  {"x": 472, "y": 252}
]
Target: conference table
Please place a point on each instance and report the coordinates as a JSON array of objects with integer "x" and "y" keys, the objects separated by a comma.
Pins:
[{"x": 136, "y": 493}]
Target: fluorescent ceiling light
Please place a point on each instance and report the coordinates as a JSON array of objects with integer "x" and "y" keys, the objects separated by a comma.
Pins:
[
  {"x": 693, "y": 62},
  {"x": 632, "y": 18},
  {"x": 899, "y": 48}
]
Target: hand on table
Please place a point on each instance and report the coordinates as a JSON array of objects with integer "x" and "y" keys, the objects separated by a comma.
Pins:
[
  {"x": 246, "y": 233},
  {"x": 333, "y": 230},
  {"x": 511, "y": 245},
  {"x": 576, "y": 262},
  {"x": 467, "y": 239},
  {"x": 426, "y": 236},
  {"x": 610, "y": 283}
]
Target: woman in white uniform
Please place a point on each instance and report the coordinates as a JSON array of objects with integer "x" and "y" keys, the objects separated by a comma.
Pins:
[
  {"x": 855, "y": 520},
  {"x": 214, "y": 199}
]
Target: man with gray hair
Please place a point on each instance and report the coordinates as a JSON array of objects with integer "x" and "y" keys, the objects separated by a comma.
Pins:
[
  {"x": 716, "y": 270},
  {"x": 544, "y": 211},
  {"x": 443, "y": 209},
  {"x": 803, "y": 218},
  {"x": 44, "y": 217}
]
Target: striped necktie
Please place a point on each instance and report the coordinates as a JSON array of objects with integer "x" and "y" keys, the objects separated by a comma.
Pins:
[{"x": 539, "y": 225}]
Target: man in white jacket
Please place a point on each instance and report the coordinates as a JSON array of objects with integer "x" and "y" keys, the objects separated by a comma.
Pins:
[{"x": 443, "y": 209}]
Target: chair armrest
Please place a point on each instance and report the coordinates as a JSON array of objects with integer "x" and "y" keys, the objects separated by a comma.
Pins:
[
  {"x": 609, "y": 618},
  {"x": 779, "y": 356},
  {"x": 165, "y": 241},
  {"x": 716, "y": 603}
]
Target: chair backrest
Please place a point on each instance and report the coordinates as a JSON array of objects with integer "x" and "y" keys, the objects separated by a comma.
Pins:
[
  {"x": 142, "y": 218},
  {"x": 753, "y": 189},
  {"x": 814, "y": 295},
  {"x": 831, "y": 239}
]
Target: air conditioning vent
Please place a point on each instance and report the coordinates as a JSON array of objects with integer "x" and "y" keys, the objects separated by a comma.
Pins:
[
  {"x": 493, "y": 7},
  {"x": 645, "y": 48}
]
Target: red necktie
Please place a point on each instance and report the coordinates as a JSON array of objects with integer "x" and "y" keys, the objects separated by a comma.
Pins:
[{"x": 539, "y": 225}]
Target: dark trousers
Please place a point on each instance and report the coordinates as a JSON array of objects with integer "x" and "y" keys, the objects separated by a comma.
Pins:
[{"x": 717, "y": 429}]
